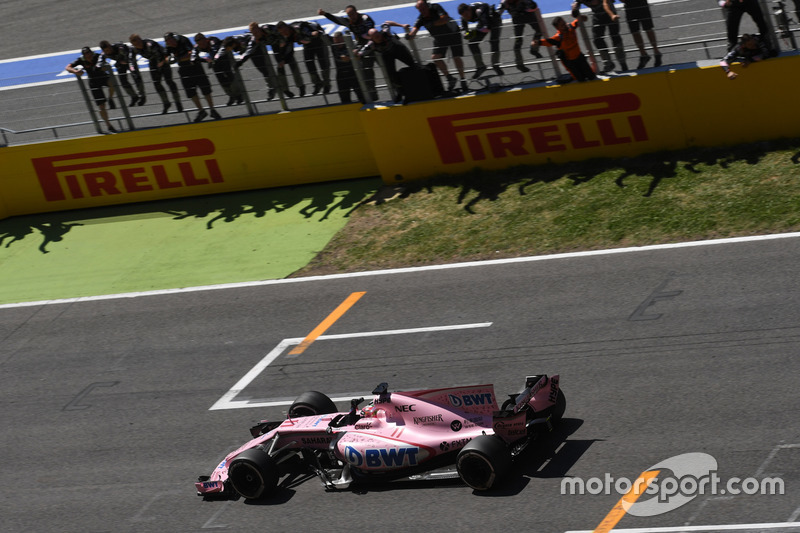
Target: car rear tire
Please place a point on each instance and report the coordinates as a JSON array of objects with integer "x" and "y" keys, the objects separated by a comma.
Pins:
[
  {"x": 483, "y": 462},
  {"x": 311, "y": 403},
  {"x": 253, "y": 474},
  {"x": 559, "y": 407}
]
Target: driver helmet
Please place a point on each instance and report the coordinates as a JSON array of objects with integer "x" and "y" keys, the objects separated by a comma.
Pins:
[{"x": 370, "y": 411}]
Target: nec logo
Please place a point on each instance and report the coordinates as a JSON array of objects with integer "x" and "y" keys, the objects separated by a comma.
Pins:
[
  {"x": 128, "y": 170},
  {"x": 539, "y": 128}
]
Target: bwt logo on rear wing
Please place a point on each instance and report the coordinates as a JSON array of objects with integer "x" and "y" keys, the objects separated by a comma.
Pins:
[
  {"x": 539, "y": 128},
  {"x": 128, "y": 170}
]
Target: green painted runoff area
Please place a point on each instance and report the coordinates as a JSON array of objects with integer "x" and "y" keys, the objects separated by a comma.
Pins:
[{"x": 188, "y": 242}]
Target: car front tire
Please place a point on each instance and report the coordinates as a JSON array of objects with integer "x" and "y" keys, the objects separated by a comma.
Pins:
[{"x": 253, "y": 474}]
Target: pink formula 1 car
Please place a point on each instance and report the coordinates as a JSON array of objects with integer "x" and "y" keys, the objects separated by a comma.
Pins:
[{"x": 416, "y": 434}]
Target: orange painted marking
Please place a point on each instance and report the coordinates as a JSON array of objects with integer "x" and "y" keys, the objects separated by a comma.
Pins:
[
  {"x": 617, "y": 512},
  {"x": 327, "y": 323}
]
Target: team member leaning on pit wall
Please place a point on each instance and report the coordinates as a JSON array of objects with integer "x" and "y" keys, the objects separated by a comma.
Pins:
[
  {"x": 120, "y": 54},
  {"x": 388, "y": 45},
  {"x": 358, "y": 24},
  {"x": 193, "y": 77},
  {"x": 748, "y": 50},
  {"x": 446, "y": 37},
  {"x": 315, "y": 50},
  {"x": 259, "y": 37},
  {"x": 224, "y": 62},
  {"x": 284, "y": 55},
  {"x": 523, "y": 13},
  {"x": 601, "y": 22},
  {"x": 98, "y": 72},
  {"x": 488, "y": 22},
  {"x": 206, "y": 49},
  {"x": 569, "y": 51},
  {"x": 159, "y": 69},
  {"x": 346, "y": 80}
]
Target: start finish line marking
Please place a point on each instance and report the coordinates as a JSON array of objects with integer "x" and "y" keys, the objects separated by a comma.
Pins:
[{"x": 229, "y": 401}]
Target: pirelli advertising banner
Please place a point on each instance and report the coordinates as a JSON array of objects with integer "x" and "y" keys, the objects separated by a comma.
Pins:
[
  {"x": 619, "y": 117},
  {"x": 248, "y": 153}
]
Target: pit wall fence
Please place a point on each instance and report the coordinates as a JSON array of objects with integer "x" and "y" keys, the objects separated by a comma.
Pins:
[{"x": 613, "y": 118}]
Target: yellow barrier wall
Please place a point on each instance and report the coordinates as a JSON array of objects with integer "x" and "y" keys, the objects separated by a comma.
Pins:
[
  {"x": 761, "y": 104},
  {"x": 306, "y": 146},
  {"x": 620, "y": 117}
]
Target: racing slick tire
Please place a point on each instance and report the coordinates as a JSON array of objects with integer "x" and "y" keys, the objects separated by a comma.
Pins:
[
  {"x": 559, "y": 407},
  {"x": 483, "y": 462},
  {"x": 253, "y": 474},
  {"x": 311, "y": 403}
]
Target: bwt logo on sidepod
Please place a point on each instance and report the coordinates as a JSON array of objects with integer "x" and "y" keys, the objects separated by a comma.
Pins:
[
  {"x": 467, "y": 400},
  {"x": 539, "y": 128},
  {"x": 128, "y": 170},
  {"x": 382, "y": 457}
]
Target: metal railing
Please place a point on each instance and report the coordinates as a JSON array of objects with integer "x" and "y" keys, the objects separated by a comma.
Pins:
[{"x": 687, "y": 31}]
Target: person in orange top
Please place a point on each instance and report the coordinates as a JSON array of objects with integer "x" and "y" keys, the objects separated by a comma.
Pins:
[{"x": 569, "y": 51}]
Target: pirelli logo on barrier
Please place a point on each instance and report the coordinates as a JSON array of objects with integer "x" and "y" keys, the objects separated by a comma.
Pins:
[
  {"x": 539, "y": 128},
  {"x": 131, "y": 170}
]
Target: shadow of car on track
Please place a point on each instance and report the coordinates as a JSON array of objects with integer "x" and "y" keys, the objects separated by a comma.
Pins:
[{"x": 550, "y": 456}]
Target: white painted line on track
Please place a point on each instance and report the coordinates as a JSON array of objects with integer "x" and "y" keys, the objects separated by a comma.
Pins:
[
  {"x": 228, "y": 401},
  {"x": 772, "y": 455},
  {"x": 409, "y": 270},
  {"x": 721, "y": 527}
]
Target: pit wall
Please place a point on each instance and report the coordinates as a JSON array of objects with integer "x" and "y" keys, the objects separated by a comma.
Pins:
[
  {"x": 312, "y": 146},
  {"x": 619, "y": 117}
]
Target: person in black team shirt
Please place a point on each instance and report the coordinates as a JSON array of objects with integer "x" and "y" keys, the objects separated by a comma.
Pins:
[
  {"x": 488, "y": 23},
  {"x": 193, "y": 77},
  {"x": 602, "y": 21},
  {"x": 346, "y": 80},
  {"x": 96, "y": 68},
  {"x": 224, "y": 62},
  {"x": 266, "y": 34},
  {"x": 388, "y": 45},
  {"x": 205, "y": 50},
  {"x": 120, "y": 53},
  {"x": 749, "y": 50},
  {"x": 359, "y": 24},
  {"x": 284, "y": 53},
  {"x": 523, "y": 13},
  {"x": 446, "y": 36},
  {"x": 315, "y": 50},
  {"x": 159, "y": 69}
]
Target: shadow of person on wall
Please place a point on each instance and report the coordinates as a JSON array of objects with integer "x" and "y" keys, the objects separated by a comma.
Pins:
[
  {"x": 53, "y": 232},
  {"x": 51, "y": 227},
  {"x": 14, "y": 229},
  {"x": 655, "y": 169},
  {"x": 212, "y": 209}
]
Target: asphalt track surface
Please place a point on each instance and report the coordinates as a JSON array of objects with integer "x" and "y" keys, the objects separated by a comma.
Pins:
[{"x": 106, "y": 403}]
